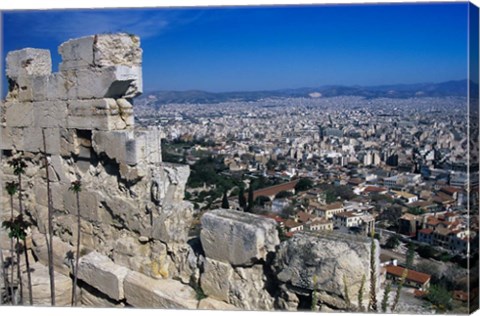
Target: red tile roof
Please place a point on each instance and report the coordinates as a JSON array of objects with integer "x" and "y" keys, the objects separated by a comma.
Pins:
[
  {"x": 371, "y": 189},
  {"x": 290, "y": 223},
  {"x": 415, "y": 276},
  {"x": 460, "y": 295},
  {"x": 426, "y": 231},
  {"x": 274, "y": 190}
]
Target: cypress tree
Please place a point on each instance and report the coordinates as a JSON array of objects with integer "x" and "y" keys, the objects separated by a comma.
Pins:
[
  {"x": 225, "y": 200},
  {"x": 241, "y": 199},
  {"x": 250, "y": 198}
]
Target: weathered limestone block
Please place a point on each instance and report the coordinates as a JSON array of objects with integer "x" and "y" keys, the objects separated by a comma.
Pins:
[
  {"x": 100, "y": 272},
  {"x": 144, "y": 292},
  {"x": 60, "y": 251},
  {"x": 19, "y": 114},
  {"x": 117, "y": 49},
  {"x": 41, "y": 287},
  {"x": 131, "y": 253},
  {"x": 10, "y": 137},
  {"x": 121, "y": 212},
  {"x": 117, "y": 145},
  {"x": 182, "y": 262},
  {"x": 236, "y": 237},
  {"x": 89, "y": 204},
  {"x": 242, "y": 287},
  {"x": 213, "y": 304},
  {"x": 56, "y": 87},
  {"x": 57, "y": 191},
  {"x": 287, "y": 300},
  {"x": 32, "y": 140},
  {"x": 69, "y": 144},
  {"x": 125, "y": 109},
  {"x": 132, "y": 174},
  {"x": 29, "y": 88},
  {"x": 50, "y": 114},
  {"x": 172, "y": 222},
  {"x": 91, "y": 297},
  {"x": 170, "y": 182},
  {"x": 77, "y": 53},
  {"x": 330, "y": 257},
  {"x": 99, "y": 114},
  {"x": 110, "y": 82},
  {"x": 101, "y": 51},
  {"x": 28, "y": 62},
  {"x": 148, "y": 144}
]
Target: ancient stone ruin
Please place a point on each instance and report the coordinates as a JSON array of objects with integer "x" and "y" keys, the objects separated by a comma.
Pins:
[{"x": 136, "y": 249}]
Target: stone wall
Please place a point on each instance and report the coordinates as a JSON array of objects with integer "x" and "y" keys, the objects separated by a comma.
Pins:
[
  {"x": 131, "y": 203},
  {"x": 135, "y": 243}
]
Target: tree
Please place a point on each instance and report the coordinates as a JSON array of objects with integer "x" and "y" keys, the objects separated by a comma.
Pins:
[
  {"x": 360, "y": 294},
  {"x": 17, "y": 228},
  {"x": 11, "y": 189},
  {"x": 384, "y": 305},
  {"x": 399, "y": 290},
  {"x": 303, "y": 184},
  {"x": 392, "y": 242},
  {"x": 251, "y": 202},
  {"x": 51, "y": 269},
  {"x": 439, "y": 297},
  {"x": 409, "y": 256},
  {"x": 19, "y": 169},
  {"x": 241, "y": 198},
  {"x": 283, "y": 194},
  {"x": 225, "y": 200},
  {"x": 76, "y": 187}
]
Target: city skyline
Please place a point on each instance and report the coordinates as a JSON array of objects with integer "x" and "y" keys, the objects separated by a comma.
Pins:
[{"x": 213, "y": 49}]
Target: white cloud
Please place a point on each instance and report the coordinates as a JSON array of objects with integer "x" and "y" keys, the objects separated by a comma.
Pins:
[{"x": 66, "y": 24}]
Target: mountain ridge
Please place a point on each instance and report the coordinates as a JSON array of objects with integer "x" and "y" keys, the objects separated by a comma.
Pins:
[{"x": 456, "y": 88}]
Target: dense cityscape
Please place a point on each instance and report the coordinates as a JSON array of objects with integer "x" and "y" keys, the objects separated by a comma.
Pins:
[{"x": 344, "y": 163}]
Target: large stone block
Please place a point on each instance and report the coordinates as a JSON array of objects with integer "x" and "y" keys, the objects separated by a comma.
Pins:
[
  {"x": 28, "y": 62},
  {"x": 236, "y": 237},
  {"x": 89, "y": 204},
  {"x": 41, "y": 287},
  {"x": 77, "y": 53},
  {"x": 117, "y": 145},
  {"x": 30, "y": 139},
  {"x": 241, "y": 287},
  {"x": 99, "y": 114},
  {"x": 148, "y": 143},
  {"x": 60, "y": 251},
  {"x": 57, "y": 87},
  {"x": 172, "y": 222},
  {"x": 110, "y": 82},
  {"x": 100, "y": 272},
  {"x": 28, "y": 89},
  {"x": 10, "y": 137},
  {"x": 101, "y": 50},
  {"x": 19, "y": 114},
  {"x": 329, "y": 257},
  {"x": 91, "y": 297},
  {"x": 125, "y": 110},
  {"x": 117, "y": 49},
  {"x": 50, "y": 114},
  {"x": 144, "y": 292}
]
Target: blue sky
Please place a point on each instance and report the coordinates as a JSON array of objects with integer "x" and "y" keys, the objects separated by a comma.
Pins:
[{"x": 256, "y": 48}]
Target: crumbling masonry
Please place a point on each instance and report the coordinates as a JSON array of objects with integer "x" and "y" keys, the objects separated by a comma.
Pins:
[{"x": 136, "y": 250}]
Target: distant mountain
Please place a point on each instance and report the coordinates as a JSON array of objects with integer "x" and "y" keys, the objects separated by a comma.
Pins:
[{"x": 443, "y": 89}]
